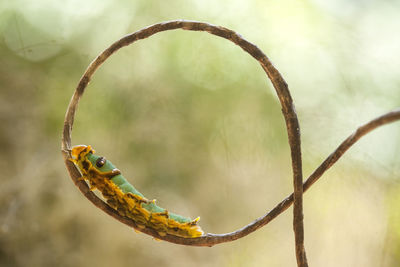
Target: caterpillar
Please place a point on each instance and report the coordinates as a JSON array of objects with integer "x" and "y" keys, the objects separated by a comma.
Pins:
[{"x": 126, "y": 199}]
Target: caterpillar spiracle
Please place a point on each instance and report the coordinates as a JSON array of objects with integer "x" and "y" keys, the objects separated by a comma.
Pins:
[{"x": 126, "y": 200}]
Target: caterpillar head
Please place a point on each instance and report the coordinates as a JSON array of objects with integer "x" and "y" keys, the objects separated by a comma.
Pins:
[{"x": 80, "y": 151}]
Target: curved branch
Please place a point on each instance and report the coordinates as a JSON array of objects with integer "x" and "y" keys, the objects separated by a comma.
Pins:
[
  {"x": 208, "y": 239},
  {"x": 348, "y": 142},
  {"x": 213, "y": 239},
  {"x": 288, "y": 111}
]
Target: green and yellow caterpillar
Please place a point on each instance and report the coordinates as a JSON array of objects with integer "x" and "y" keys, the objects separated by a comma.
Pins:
[{"x": 128, "y": 201}]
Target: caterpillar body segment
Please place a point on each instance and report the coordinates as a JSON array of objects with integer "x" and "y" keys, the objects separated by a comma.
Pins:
[{"x": 127, "y": 200}]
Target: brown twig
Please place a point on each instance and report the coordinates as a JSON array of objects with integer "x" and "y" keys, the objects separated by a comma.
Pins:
[
  {"x": 351, "y": 140},
  {"x": 275, "y": 77},
  {"x": 293, "y": 134},
  {"x": 213, "y": 239}
]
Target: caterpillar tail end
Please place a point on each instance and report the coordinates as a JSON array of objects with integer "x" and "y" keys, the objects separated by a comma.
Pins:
[
  {"x": 195, "y": 221},
  {"x": 196, "y": 232}
]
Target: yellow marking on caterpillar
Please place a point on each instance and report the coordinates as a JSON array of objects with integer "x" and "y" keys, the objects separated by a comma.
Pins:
[{"x": 126, "y": 200}]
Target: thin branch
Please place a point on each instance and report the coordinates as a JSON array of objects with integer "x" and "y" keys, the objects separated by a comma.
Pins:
[
  {"x": 290, "y": 118},
  {"x": 214, "y": 239},
  {"x": 276, "y": 78},
  {"x": 351, "y": 140}
]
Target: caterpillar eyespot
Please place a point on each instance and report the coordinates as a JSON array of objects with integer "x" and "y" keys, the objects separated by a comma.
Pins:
[
  {"x": 100, "y": 162},
  {"x": 126, "y": 199}
]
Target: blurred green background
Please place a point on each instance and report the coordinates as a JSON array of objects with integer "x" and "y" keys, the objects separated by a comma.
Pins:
[{"x": 192, "y": 120}]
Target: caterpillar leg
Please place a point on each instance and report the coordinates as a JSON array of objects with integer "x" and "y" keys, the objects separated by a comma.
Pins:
[
  {"x": 161, "y": 234},
  {"x": 92, "y": 186},
  {"x": 141, "y": 226}
]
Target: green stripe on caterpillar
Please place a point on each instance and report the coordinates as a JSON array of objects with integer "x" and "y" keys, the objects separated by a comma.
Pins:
[{"x": 126, "y": 199}]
